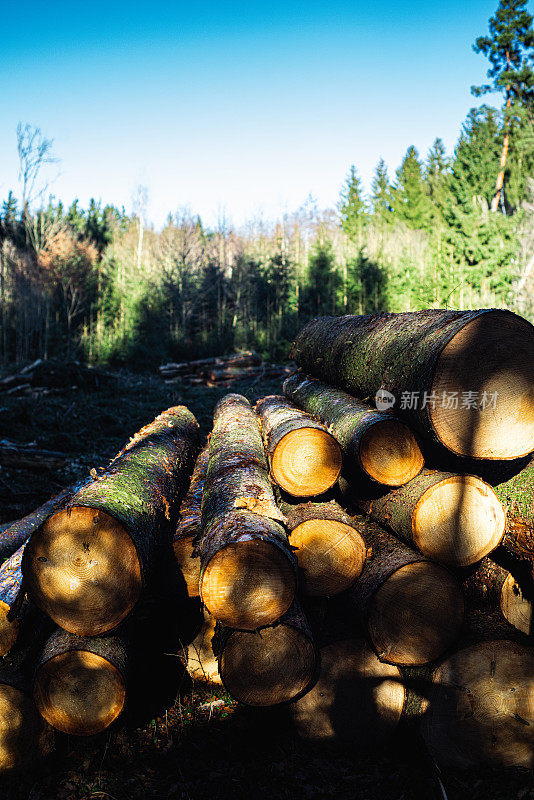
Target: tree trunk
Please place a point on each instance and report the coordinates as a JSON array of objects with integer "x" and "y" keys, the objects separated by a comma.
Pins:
[
  {"x": 411, "y": 608},
  {"x": 462, "y": 379},
  {"x": 270, "y": 666},
  {"x": 357, "y": 701},
  {"x": 189, "y": 527},
  {"x": 80, "y": 683},
  {"x": 453, "y": 519},
  {"x": 86, "y": 566},
  {"x": 374, "y": 443},
  {"x": 247, "y": 566},
  {"x": 305, "y": 459},
  {"x": 330, "y": 551},
  {"x": 17, "y": 533},
  {"x": 481, "y": 707}
]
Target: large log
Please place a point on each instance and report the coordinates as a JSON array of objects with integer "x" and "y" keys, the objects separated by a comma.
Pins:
[
  {"x": 330, "y": 551},
  {"x": 270, "y": 666},
  {"x": 357, "y": 701},
  {"x": 86, "y": 566},
  {"x": 247, "y": 566},
  {"x": 481, "y": 709},
  {"x": 491, "y": 588},
  {"x": 375, "y": 444},
  {"x": 453, "y": 519},
  {"x": 80, "y": 682},
  {"x": 305, "y": 458},
  {"x": 189, "y": 527},
  {"x": 472, "y": 372},
  {"x": 411, "y": 607}
]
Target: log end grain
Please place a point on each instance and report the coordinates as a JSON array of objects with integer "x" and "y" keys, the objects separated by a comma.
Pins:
[
  {"x": 268, "y": 667},
  {"x": 481, "y": 709},
  {"x": 389, "y": 453},
  {"x": 330, "y": 554},
  {"x": 24, "y": 736},
  {"x": 492, "y": 357},
  {"x": 9, "y": 630},
  {"x": 358, "y": 699},
  {"x": 516, "y": 608},
  {"x": 306, "y": 462},
  {"x": 248, "y": 584},
  {"x": 458, "y": 521},
  {"x": 416, "y": 614},
  {"x": 79, "y": 692},
  {"x": 81, "y": 567},
  {"x": 188, "y": 564}
]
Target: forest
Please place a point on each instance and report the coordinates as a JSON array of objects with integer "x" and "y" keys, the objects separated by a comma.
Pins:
[{"x": 446, "y": 230}]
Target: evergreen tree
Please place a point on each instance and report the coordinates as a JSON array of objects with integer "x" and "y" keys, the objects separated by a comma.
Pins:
[
  {"x": 381, "y": 192},
  {"x": 352, "y": 206},
  {"x": 510, "y": 51},
  {"x": 436, "y": 178},
  {"x": 410, "y": 201}
]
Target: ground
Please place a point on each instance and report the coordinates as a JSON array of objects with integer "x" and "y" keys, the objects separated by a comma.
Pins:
[{"x": 184, "y": 751}]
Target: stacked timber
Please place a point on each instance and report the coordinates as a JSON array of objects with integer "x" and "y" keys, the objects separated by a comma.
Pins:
[{"x": 222, "y": 370}]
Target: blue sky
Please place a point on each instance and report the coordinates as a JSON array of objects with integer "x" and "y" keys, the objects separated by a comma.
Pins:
[{"x": 234, "y": 107}]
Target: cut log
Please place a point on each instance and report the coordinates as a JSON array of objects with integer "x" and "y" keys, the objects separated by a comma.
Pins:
[
  {"x": 189, "y": 527},
  {"x": 10, "y": 585},
  {"x": 374, "y": 443},
  {"x": 471, "y": 372},
  {"x": 453, "y": 519},
  {"x": 247, "y": 566},
  {"x": 270, "y": 666},
  {"x": 201, "y": 661},
  {"x": 491, "y": 587},
  {"x": 80, "y": 683},
  {"x": 330, "y": 551},
  {"x": 357, "y": 701},
  {"x": 305, "y": 459},
  {"x": 481, "y": 709},
  {"x": 86, "y": 566},
  {"x": 412, "y": 608}
]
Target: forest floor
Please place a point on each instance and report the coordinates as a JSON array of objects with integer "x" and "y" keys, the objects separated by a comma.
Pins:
[{"x": 182, "y": 750}]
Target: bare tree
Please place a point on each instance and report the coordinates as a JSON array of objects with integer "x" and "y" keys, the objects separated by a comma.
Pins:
[{"x": 35, "y": 152}]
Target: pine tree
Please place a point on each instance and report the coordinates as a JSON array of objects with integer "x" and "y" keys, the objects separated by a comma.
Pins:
[
  {"x": 410, "y": 202},
  {"x": 510, "y": 51},
  {"x": 352, "y": 206},
  {"x": 436, "y": 179},
  {"x": 381, "y": 193}
]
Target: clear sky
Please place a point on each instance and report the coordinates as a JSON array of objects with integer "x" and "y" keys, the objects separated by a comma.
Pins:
[{"x": 241, "y": 107}]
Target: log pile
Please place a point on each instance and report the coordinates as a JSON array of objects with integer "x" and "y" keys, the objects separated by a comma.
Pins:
[
  {"x": 317, "y": 562},
  {"x": 222, "y": 370}
]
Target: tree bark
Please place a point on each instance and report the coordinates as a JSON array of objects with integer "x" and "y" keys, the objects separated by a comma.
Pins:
[
  {"x": 17, "y": 533},
  {"x": 411, "y": 608},
  {"x": 80, "y": 682},
  {"x": 247, "y": 567},
  {"x": 492, "y": 589},
  {"x": 374, "y": 443},
  {"x": 273, "y": 665},
  {"x": 305, "y": 459},
  {"x": 86, "y": 566},
  {"x": 482, "y": 359},
  {"x": 453, "y": 519},
  {"x": 330, "y": 551},
  {"x": 189, "y": 527}
]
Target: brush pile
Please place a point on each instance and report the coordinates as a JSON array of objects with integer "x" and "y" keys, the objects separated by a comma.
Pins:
[
  {"x": 223, "y": 370},
  {"x": 359, "y": 548}
]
